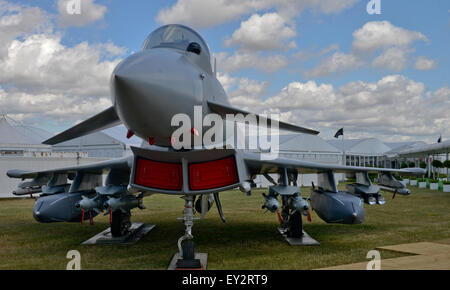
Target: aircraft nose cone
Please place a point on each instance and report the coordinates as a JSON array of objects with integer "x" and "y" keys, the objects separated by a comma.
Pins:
[{"x": 150, "y": 87}]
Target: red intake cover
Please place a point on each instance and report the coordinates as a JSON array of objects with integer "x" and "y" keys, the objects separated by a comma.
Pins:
[
  {"x": 214, "y": 174},
  {"x": 159, "y": 175}
]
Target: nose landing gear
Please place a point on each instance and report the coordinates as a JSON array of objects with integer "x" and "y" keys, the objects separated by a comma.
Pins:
[{"x": 186, "y": 246}]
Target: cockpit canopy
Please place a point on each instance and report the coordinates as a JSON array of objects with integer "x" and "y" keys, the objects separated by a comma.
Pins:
[{"x": 175, "y": 36}]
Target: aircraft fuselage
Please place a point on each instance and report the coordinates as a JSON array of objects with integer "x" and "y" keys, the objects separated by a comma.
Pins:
[{"x": 151, "y": 86}]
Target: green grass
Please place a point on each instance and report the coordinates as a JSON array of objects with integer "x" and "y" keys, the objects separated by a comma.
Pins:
[{"x": 248, "y": 241}]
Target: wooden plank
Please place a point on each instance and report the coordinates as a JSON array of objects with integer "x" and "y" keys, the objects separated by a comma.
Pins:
[
  {"x": 424, "y": 248},
  {"x": 418, "y": 262},
  {"x": 426, "y": 256}
]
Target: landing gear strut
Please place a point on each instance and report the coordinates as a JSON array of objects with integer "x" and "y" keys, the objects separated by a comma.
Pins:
[
  {"x": 292, "y": 220},
  {"x": 120, "y": 223},
  {"x": 185, "y": 243}
]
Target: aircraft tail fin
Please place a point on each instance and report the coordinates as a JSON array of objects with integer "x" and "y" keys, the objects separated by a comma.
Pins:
[
  {"x": 104, "y": 120},
  {"x": 227, "y": 109}
]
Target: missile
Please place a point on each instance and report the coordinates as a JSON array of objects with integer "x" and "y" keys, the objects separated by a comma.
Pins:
[
  {"x": 88, "y": 204},
  {"x": 297, "y": 203},
  {"x": 124, "y": 203},
  {"x": 399, "y": 190},
  {"x": 31, "y": 186},
  {"x": 389, "y": 183},
  {"x": 271, "y": 203},
  {"x": 26, "y": 191}
]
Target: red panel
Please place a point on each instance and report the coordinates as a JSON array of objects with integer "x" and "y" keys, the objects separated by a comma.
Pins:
[
  {"x": 159, "y": 175},
  {"x": 214, "y": 174}
]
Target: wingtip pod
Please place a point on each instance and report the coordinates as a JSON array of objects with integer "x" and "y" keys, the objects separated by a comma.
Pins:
[{"x": 104, "y": 120}]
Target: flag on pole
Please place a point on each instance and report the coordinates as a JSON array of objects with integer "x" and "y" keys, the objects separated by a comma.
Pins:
[
  {"x": 340, "y": 132},
  {"x": 440, "y": 139}
]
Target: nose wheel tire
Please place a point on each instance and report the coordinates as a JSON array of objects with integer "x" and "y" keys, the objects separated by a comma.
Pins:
[
  {"x": 188, "y": 250},
  {"x": 120, "y": 223}
]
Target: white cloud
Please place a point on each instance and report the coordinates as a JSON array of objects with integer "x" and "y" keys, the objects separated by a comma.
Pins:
[
  {"x": 442, "y": 95},
  {"x": 267, "y": 32},
  {"x": 333, "y": 6},
  {"x": 424, "y": 63},
  {"x": 200, "y": 13},
  {"x": 248, "y": 93},
  {"x": 308, "y": 54},
  {"x": 90, "y": 12},
  {"x": 378, "y": 43},
  {"x": 17, "y": 21},
  {"x": 244, "y": 60},
  {"x": 313, "y": 96},
  {"x": 40, "y": 63},
  {"x": 243, "y": 92},
  {"x": 41, "y": 77},
  {"x": 382, "y": 34},
  {"x": 393, "y": 58},
  {"x": 393, "y": 106},
  {"x": 57, "y": 107},
  {"x": 338, "y": 62},
  {"x": 226, "y": 80},
  {"x": 262, "y": 32}
]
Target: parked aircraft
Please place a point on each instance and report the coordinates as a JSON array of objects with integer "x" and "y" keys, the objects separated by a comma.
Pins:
[{"x": 173, "y": 74}]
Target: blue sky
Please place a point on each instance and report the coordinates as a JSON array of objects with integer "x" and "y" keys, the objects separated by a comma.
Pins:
[
  {"x": 323, "y": 36},
  {"x": 128, "y": 25}
]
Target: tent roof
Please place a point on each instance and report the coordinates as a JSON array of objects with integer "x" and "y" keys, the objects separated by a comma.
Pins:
[
  {"x": 344, "y": 144},
  {"x": 439, "y": 148},
  {"x": 120, "y": 133},
  {"x": 305, "y": 142},
  {"x": 361, "y": 146},
  {"x": 397, "y": 147},
  {"x": 111, "y": 136},
  {"x": 20, "y": 134}
]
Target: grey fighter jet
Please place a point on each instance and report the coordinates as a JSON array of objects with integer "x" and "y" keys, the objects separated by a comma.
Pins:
[{"x": 173, "y": 74}]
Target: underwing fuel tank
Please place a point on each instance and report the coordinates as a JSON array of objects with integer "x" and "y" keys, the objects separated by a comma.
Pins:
[
  {"x": 58, "y": 208},
  {"x": 337, "y": 207}
]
